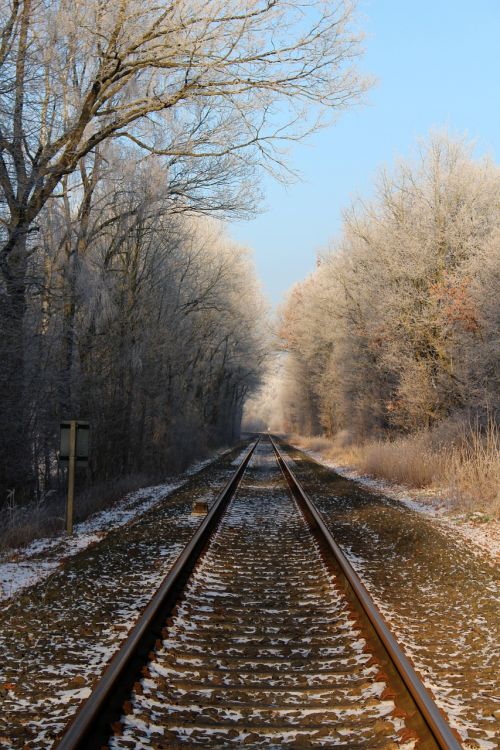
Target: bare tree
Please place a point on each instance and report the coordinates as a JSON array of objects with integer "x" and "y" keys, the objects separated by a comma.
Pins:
[
  {"x": 164, "y": 316},
  {"x": 211, "y": 90},
  {"x": 171, "y": 78}
]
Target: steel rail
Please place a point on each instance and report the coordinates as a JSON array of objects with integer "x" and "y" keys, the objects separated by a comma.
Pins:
[
  {"x": 435, "y": 722},
  {"x": 91, "y": 725}
]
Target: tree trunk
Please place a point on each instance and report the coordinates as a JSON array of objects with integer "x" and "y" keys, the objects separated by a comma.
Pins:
[
  {"x": 66, "y": 404},
  {"x": 15, "y": 465}
]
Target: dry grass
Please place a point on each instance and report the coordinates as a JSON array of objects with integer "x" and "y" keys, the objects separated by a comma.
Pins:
[
  {"x": 474, "y": 470},
  {"x": 21, "y": 524},
  {"x": 408, "y": 460},
  {"x": 461, "y": 461},
  {"x": 340, "y": 448},
  {"x": 315, "y": 443}
]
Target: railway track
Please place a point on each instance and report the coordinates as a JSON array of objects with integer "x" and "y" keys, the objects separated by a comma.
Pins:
[{"x": 261, "y": 636}]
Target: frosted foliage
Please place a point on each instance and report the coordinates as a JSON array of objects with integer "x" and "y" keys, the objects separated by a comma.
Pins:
[
  {"x": 147, "y": 324},
  {"x": 265, "y": 410},
  {"x": 185, "y": 80},
  {"x": 132, "y": 106},
  {"x": 398, "y": 326}
]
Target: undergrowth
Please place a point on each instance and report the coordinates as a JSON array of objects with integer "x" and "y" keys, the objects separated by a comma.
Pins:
[
  {"x": 21, "y": 524},
  {"x": 459, "y": 461}
]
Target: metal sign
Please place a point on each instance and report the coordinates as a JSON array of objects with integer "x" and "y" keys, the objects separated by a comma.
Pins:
[{"x": 82, "y": 448}]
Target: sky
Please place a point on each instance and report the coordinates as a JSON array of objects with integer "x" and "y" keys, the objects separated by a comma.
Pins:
[{"x": 437, "y": 66}]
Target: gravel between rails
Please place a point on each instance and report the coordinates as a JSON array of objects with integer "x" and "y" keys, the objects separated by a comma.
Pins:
[{"x": 263, "y": 650}]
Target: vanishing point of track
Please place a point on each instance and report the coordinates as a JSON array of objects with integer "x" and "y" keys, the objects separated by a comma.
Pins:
[{"x": 262, "y": 635}]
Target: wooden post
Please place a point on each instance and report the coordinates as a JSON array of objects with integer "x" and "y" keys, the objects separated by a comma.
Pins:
[{"x": 71, "y": 476}]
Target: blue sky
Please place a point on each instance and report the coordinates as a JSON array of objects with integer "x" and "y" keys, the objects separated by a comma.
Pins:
[{"x": 437, "y": 65}]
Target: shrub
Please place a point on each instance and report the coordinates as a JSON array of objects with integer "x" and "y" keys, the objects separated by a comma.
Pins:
[
  {"x": 458, "y": 458},
  {"x": 474, "y": 470}
]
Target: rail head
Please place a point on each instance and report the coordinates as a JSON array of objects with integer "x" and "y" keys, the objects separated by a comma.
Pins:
[
  {"x": 434, "y": 719},
  {"x": 89, "y": 728}
]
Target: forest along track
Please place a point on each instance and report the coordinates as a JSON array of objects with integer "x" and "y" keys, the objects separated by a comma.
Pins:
[{"x": 263, "y": 647}]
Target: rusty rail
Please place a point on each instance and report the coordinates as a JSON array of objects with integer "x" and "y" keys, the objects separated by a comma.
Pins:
[
  {"x": 91, "y": 726},
  {"x": 437, "y": 732}
]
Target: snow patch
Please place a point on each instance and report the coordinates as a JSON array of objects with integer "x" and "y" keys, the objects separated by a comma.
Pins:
[{"x": 19, "y": 570}]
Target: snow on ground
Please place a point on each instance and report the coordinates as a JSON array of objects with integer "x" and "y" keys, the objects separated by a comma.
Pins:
[
  {"x": 438, "y": 594},
  {"x": 39, "y": 559},
  {"x": 239, "y": 458},
  {"x": 452, "y": 705},
  {"x": 56, "y": 637},
  {"x": 16, "y": 576},
  {"x": 199, "y": 465},
  {"x": 25, "y": 566},
  {"x": 484, "y": 535}
]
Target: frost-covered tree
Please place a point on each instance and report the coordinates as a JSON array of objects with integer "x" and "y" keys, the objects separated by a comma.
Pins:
[
  {"x": 144, "y": 321},
  {"x": 397, "y": 329},
  {"x": 213, "y": 91}
]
